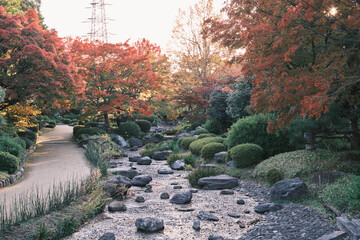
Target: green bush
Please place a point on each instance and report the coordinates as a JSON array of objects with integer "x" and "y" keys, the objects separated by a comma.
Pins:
[
  {"x": 190, "y": 160},
  {"x": 273, "y": 175},
  {"x": 210, "y": 149},
  {"x": 205, "y": 135},
  {"x": 35, "y": 129},
  {"x": 28, "y": 143},
  {"x": 195, "y": 175},
  {"x": 51, "y": 125},
  {"x": 9, "y": 163},
  {"x": 77, "y": 128},
  {"x": 246, "y": 155},
  {"x": 27, "y": 134},
  {"x": 172, "y": 158},
  {"x": 12, "y": 146},
  {"x": 186, "y": 141},
  {"x": 200, "y": 131},
  {"x": 91, "y": 124},
  {"x": 253, "y": 129},
  {"x": 171, "y": 131},
  {"x": 196, "y": 146},
  {"x": 144, "y": 125},
  {"x": 128, "y": 130},
  {"x": 213, "y": 126},
  {"x": 344, "y": 194},
  {"x": 89, "y": 132},
  {"x": 66, "y": 120}
]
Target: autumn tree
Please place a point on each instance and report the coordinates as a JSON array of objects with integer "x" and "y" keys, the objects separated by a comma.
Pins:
[
  {"x": 303, "y": 55},
  {"x": 119, "y": 77}
]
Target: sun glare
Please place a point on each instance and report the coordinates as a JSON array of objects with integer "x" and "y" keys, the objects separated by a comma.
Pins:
[{"x": 333, "y": 11}]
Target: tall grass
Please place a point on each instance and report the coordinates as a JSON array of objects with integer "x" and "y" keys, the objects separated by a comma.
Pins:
[{"x": 36, "y": 203}]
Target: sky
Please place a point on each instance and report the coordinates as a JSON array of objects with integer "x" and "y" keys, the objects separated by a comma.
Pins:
[{"x": 132, "y": 19}]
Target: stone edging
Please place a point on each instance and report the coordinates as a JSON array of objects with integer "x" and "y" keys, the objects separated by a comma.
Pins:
[{"x": 16, "y": 176}]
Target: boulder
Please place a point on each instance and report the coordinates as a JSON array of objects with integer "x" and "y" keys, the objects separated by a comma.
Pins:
[
  {"x": 218, "y": 182},
  {"x": 107, "y": 236},
  {"x": 152, "y": 139},
  {"x": 149, "y": 224},
  {"x": 134, "y": 158},
  {"x": 181, "y": 198},
  {"x": 165, "y": 170},
  {"x": 135, "y": 142},
  {"x": 267, "y": 207},
  {"x": 288, "y": 189},
  {"x": 141, "y": 180},
  {"x": 220, "y": 157},
  {"x": 124, "y": 172},
  {"x": 178, "y": 165},
  {"x": 119, "y": 181},
  {"x": 119, "y": 140},
  {"x": 206, "y": 216},
  {"x": 134, "y": 149},
  {"x": 161, "y": 155},
  {"x": 144, "y": 161},
  {"x": 116, "y": 206}
]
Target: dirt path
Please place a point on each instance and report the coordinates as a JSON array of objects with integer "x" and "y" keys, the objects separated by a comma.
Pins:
[{"x": 57, "y": 159}]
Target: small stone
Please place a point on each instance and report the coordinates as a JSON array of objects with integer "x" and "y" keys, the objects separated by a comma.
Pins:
[
  {"x": 233, "y": 215},
  {"x": 240, "y": 202},
  {"x": 149, "y": 224},
  {"x": 178, "y": 165},
  {"x": 134, "y": 158},
  {"x": 165, "y": 170},
  {"x": 267, "y": 207},
  {"x": 194, "y": 190},
  {"x": 125, "y": 155},
  {"x": 215, "y": 237},
  {"x": 207, "y": 216},
  {"x": 140, "y": 199},
  {"x": 174, "y": 183},
  {"x": 164, "y": 196},
  {"x": 247, "y": 211},
  {"x": 196, "y": 224},
  {"x": 177, "y": 187},
  {"x": 116, "y": 206},
  {"x": 227, "y": 192},
  {"x": 144, "y": 161},
  {"x": 107, "y": 236},
  {"x": 148, "y": 188},
  {"x": 181, "y": 198},
  {"x": 241, "y": 225}
]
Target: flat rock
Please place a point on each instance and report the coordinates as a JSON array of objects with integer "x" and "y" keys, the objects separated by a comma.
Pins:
[
  {"x": 165, "y": 170},
  {"x": 218, "y": 182},
  {"x": 107, "y": 236},
  {"x": 119, "y": 181},
  {"x": 220, "y": 157},
  {"x": 116, "y": 206},
  {"x": 181, "y": 198},
  {"x": 240, "y": 202},
  {"x": 177, "y": 187},
  {"x": 161, "y": 155},
  {"x": 149, "y": 224},
  {"x": 144, "y": 161},
  {"x": 227, "y": 192},
  {"x": 141, "y": 180},
  {"x": 123, "y": 172},
  {"x": 206, "y": 216},
  {"x": 135, "y": 142},
  {"x": 178, "y": 165},
  {"x": 288, "y": 189},
  {"x": 134, "y": 158},
  {"x": 215, "y": 237},
  {"x": 267, "y": 207},
  {"x": 233, "y": 215}
]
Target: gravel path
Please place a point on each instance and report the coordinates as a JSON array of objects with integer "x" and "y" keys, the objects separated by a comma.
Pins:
[{"x": 292, "y": 222}]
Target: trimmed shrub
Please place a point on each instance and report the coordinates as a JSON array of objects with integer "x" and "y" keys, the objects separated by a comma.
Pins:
[
  {"x": 273, "y": 175},
  {"x": 200, "y": 131},
  {"x": 213, "y": 126},
  {"x": 66, "y": 120},
  {"x": 144, "y": 125},
  {"x": 77, "y": 128},
  {"x": 89, "y": 132},
  {"x": 252, "y": 129},
  {"x": 246, "y": 155},
  {"x": 209, "y": 150},
  {"x": 11, "y": 145},
  {"x": 27, "y": 134},
  {"x": 35, "y": 129},
  {"x": 50, "y": 125},
  {"x": 186, "y": 141},
  {"x": 128, "y": 130},
  {"x": 91, "y": 124},
  {"x": 8, "y": 162},
  {"x": 205, "y": 135},
  {"x": 196, "y": 146},
  {"x": 28, "y": 143},
  {"x": 195, "y": 175}
]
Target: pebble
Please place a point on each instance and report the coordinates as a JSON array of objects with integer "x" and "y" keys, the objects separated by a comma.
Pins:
[
  {"x": 140, "y": 199},
  {"x": 196, "y": 224},
  {"x": 164, "y": 196},
  {"x": 177, "y": 187},
  {"x": 240, "y": 202}
]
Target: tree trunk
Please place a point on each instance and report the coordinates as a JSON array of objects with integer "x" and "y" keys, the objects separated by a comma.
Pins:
[
  {"x": 118, "y": 121},
  {"x": 355, "y": 141},
  {"x": 107, "y": 122}
]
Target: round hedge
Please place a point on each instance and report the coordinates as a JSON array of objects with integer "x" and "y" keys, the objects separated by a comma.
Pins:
[
  {"x": 89, "y": 132},
  {"x": 196, "y": 146},
  {"x": 144, "y": 125},
  {"x": 246, "y": 155},
  {"x": 35, "y": 129},
  {"x": 205, "y": 135},
  {"x": 77, "y": 128},
  {"x": 200, "y": 131},
  {"x": 186, "y": 141},
  {"x": 66, "y": 120},
  {"x": 128, "y": 130},
  {"x": 273, "y": 175},
  {"x": 11, "y": 145},
  {"x": 28, "y": 134},
  {"x": 210, "y": 149},
  {"x": 9, "y": 163}
]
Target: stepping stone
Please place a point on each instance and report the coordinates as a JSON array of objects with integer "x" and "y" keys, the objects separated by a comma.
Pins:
[
  {"x": 149, "y": 224},
  {"x": 181, "y": 198},
  {"x": 207, "y": 216},
  {"x": 233, "y": 215},
  {"x": 218, "y": 182},
  {"x": 116, "y": 206},
  {"x": 227, "y": 192},
  {"x": 240, "y": 202},
  {"x": 107, "y": 236},
  {"x": 267, "y": 207},
  {"x": 144, "y": 161},
  {"x": 165, "y": 170},
  {"x": 141, "y": 180}
]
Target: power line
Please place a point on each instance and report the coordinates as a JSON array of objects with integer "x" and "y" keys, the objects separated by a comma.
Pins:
[{"x": 98, "y": 21}]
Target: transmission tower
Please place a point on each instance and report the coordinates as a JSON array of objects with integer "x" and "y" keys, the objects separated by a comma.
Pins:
[{"x": 98, "y": 21}]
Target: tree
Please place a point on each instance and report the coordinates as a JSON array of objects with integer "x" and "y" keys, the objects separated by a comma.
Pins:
[
  {"x": 21, "y": 6},
  {"x": 303, "y": 55},
  {"x": 118, "y": 77}
]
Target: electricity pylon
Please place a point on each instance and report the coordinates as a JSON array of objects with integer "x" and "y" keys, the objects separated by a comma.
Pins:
[{"x": 98, "y": 21}]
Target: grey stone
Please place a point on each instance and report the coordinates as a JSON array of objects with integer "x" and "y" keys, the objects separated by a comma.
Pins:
[
  {"x": 247, "y": 211},
  {"x": 116, "y": 206},
  {"x": 134, "y": 149},
  {"x": 194, "y": 190},
  {"x": 220, "y": 157},
  {"x": 164, "y": 196},
  {"x": 206, "y": 216},
  {"x": 134, "y": 158},
  {"x": 233, "y": 215},
  {"x": 196, "y": 224},
  {"x": 349, "y": 227},
  {"x": 240, "y": 202},
  {"x": 126, "y": 173},
  {"x": 135, "y": 142},
  {"x": 174, "y": 183},
  {"x": 178, "y": 165},
  {"x": 230, "y": 165},
  {"x": 215, "y": 237},
  {"x": 177, "y": 187},
  {"x": 337, "y": 235},
  {"x": 107, "y": 236},
  {"x": 208, "y": 165},
  {"x": 267, "y": 207},
  {"x": 148, "y": 188},
  {"x": 218, "y": 182},
  {"x": 140, "y": 199},
  {"x": 181, "y": 135},
  {"x": 149, "y": 224},
  {"x": 119, "y": 181},
  {"x": 165, "y": 170},
  {"x": 144, "y": 161},
  {"x": 152, "y": 139},
  {"x": 141, "y": 180},
  {"x": 288, "y": 189},
  {"x": 161, "y": 155},
  {"x": 181, "y": 198},
  {"x": 227, "y": 192}
]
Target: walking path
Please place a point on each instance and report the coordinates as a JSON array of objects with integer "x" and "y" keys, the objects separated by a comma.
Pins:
[{"x": 57, "y": 159}]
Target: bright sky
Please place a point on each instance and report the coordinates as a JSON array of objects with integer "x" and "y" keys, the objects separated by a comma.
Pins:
[{"x": 134, "y": 19}]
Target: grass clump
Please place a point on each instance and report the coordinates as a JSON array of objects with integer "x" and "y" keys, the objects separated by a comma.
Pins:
[
  {"x": 210, "y": 149},
  {"x": 186, "y": 141},
  {"x": 196, "y": 146},
  {"x": 190, "y": 160},
  {"x": 172, "y": 158},
  {"x": 273, "y": 175},
  {"x": 246, "y": 155},
  {"x": 200, "y": 131}
]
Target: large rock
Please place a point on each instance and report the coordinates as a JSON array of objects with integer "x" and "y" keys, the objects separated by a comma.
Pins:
[
  {"x": 267, "y": 207},
  {"x": 116, "y": 206},
  {"x": 218, "y": 182},
  {"x": 161, "y": 155},
  {"x": 181, "y": 198},
  {"x": 141, "y": 180},
  {"x": 220, "y": 157},
  {"x": 149, "y": 224},
  {"x": 206, "y": 216},
  {"x": 107, "y": 236},
  {"x": 165, "y": 170},
  {"x": 134, "y": 158},
  {"x": 178, "y": 165},
  {"x": 288, "y": 189},
  {"x": 135, "y": 142},
  {"x": 119, "y": 181},
  {"x": 152, "y": 139},
  {"x": 119, "y": 140},
  {"x": 230, "y": 165},
  {"x": 144, "y": 161},
  {"x": 124, "y": 172}
]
